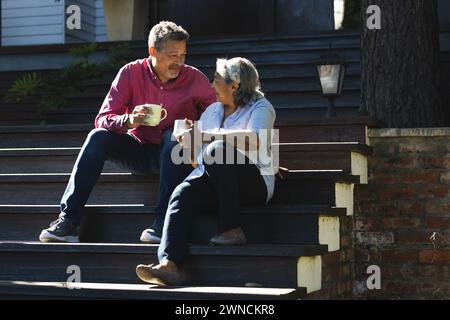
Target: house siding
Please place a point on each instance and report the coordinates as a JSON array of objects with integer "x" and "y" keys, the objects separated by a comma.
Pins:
[
  {"x": 30, "y": 22},
  {"x": 26, "y": 22}
]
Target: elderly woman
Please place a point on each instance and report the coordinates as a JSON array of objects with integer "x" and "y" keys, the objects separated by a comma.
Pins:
[{"x": 240, "y": 114}]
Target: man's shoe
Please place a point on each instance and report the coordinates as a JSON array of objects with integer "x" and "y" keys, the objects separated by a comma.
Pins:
[
  {"x": 152, "y": 234},
  {"x": 61, "y": 230},
  {"x": 226, "y": 239},
  {"x": 148, "y": 273}
]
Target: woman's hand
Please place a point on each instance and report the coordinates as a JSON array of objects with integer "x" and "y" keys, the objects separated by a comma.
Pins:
[
  {"x": 188, "y": 124},
  {"x": 191, "y": 141},
  {"x": 188, "y": 136},
  {"x": 185, "y": 137}
]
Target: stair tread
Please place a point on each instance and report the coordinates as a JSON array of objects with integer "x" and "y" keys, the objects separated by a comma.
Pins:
[
  {"x": 337, "y": 175},
  {"x": 47, "y": 128},
  {"x": 280, "y": 45},
  {"x": 50, "y": 128},
  {"x": 253, "y": 250},
  {"x": 283, "y": 147},
  {"x": 307, "y": 66},
  {"x": 325, "y": 146},
  {"x": 137, "y": 209},
  {"x": 308, "y": 74},
  {"x": 309, "y": 86},
  {"x": 145, "y": 291},
  {"x": 91, "y": 111},
  {"x": 63, "y": 177}
]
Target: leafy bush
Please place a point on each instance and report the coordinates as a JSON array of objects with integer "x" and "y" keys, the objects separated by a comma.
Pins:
[
  {"x": 26, "y": 85},
  {"x": 83, "y": 52},
  {"x": 52, "y": 88},
  {"x": 117, "y": 56}
]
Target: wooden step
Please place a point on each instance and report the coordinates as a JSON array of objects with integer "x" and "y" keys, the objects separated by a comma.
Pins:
[
  {"x": 348, "y": 156},
  {"x": 280, "y": 85},
  {"x": 279, "y": 46},
  {"x": 274, "y": 224},
  {"x": 44, "y": 160},
  {"x": 324, "y": 38},
  {"x": 84, "y": 108},
  {"x": 326, "y": 130},
  {"x": 327, "y": 187},
  {"x": 304, "y": 56},
  {"x": 351, "y": 157},
  {"x": 275, "y": 83},
  {"x": 298, "y": 187},
  {"x": 280, "y": 100},
  {"x": 46, "y": 188},
  {"x": 278, "y": 266},
  {"x": 321, "y": 36},
  {"x": 257, "y": 45},
  {"x": 287, "y": 108},
  {"x": 268, "y": 72},
  {"x": 60, "y": 290},
  {"x": 36, "y": 136},
  {"x": 291, "y": 131},
  {"x": 274, "y": 77}
]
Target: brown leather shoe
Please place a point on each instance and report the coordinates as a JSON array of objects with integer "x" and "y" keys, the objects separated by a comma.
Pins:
[
  {"x": 228, "y": 240},
  {"x": 148, "y": 273}
]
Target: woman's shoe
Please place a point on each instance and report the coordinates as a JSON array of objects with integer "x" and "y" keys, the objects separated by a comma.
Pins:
[
  {"x": 150, "y": 274},
  {"x": 229, "y": 239}
]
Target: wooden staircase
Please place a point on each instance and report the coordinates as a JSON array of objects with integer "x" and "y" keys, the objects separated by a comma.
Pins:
[
  {"x": 286, "y": 65},
  {"x": 287, "y": 238}
]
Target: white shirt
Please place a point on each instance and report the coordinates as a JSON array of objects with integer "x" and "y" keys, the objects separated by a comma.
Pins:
[{"x": 258, "y": 116}]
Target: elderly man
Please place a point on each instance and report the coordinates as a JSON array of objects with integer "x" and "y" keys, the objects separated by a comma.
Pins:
[{"x": 120, "y": 133}]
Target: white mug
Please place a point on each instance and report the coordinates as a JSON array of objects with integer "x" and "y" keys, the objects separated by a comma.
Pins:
[
  {"x": 154, "y": 118},
  {"x": 178, "y": 127}
]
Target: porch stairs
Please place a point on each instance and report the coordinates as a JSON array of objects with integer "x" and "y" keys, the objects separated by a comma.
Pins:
[{"x": 287, "y": 238}]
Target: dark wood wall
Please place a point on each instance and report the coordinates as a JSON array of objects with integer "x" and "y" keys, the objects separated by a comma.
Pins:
[
  {"x": 219, "y": 17},
  {"x": 237, "y": 17}
]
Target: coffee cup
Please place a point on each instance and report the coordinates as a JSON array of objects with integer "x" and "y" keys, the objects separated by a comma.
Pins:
[
  {"x": 179, "y": 127},
  {"x": 154, "y": 118}
]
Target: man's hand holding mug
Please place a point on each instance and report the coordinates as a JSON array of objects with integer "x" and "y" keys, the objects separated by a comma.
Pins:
[{"x": 146, "y": 115}]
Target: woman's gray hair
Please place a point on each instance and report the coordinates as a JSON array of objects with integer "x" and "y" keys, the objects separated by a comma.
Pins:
[
  {"x": 244, "y": 73},
  {"x": 164, "y": 31}
]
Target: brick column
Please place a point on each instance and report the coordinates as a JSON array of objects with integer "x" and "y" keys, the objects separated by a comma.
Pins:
[{"x": 406, "y": 200}]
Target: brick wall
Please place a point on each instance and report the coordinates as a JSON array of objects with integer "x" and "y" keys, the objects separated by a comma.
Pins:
[{"x": 406, "y": 201}]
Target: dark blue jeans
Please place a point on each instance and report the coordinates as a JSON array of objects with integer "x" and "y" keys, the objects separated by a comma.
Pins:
[
  {"x": 127, "y": 153},
  {"x": 223, "y": 188}
]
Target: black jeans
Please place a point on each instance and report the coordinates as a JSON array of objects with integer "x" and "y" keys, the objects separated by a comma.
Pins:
[
  {"x": 223, "y": 188},
  {"x": 127, "y": 153}
]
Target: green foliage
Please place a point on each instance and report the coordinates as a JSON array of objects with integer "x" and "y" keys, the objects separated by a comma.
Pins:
[
  {"x": 83, "y": 52},
  {"x": 53, "y": 88},
  {"x": 117, "y": 56},
  {"x": 26, "y": 85}
]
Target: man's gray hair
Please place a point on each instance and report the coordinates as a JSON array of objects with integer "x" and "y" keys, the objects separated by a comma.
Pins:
[
  {"x": 244, "y": 73},
  {"x": 164, "y": 31}
]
